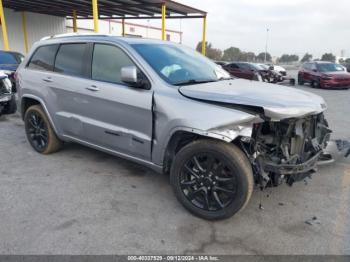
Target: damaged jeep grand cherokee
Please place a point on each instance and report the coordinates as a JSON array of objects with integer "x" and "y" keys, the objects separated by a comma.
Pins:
[{"x": 169, "y": 108}]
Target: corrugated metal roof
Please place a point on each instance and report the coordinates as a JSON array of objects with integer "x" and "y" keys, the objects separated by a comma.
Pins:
[{"x": 128, "y": 9}]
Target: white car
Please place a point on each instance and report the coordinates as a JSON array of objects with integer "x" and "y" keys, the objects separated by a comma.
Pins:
[{"x": 279, "y": 69}]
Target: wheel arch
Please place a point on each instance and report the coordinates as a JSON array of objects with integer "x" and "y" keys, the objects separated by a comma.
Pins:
[
  {"x": 30, "y": 100},
  {"x": 182, "y": 137}
]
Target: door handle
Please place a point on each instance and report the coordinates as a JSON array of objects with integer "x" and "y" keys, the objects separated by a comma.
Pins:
[
  {"x": 48, "y": 80},
  {"x": 93, "y": 88}
]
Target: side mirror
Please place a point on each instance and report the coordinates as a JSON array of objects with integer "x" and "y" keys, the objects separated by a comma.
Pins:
[
  {"x": 130, "y": 76},
  {"x": 271, "y": 68}
]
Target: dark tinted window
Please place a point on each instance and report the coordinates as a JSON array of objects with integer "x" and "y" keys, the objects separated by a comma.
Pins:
[
  {"x": 245, "y": 66},
  {"x": 10, "y": 58},
  {"x": 70, "y": 59},
  {"x": 43, "y": 58},
  {"x": 234, "y": 66},
  {"x": 107, "y": 63}
]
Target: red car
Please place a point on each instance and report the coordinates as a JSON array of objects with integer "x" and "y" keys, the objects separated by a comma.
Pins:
[{"x": 324, "y": 75}]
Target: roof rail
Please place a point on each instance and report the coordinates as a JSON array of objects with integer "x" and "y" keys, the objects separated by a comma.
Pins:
[{"x": 71, "y": 34}]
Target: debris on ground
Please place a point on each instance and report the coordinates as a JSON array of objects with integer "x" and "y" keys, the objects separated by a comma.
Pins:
[{"x": 313, "y": 221}]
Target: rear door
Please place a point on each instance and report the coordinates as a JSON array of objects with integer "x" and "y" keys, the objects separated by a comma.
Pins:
[
  {"x": 234, "y": 70},
  {"x": 246, "y": 71},
  {"x": 307, "y": 73}
]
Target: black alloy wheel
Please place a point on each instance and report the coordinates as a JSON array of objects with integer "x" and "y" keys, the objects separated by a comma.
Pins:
[
  {"x": 207, "y": 181},
  {"x": 37, "y": 131},
  {"x": 212, "y": 179}
]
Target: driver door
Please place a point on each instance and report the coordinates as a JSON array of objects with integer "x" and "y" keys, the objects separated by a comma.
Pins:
[{"x": 120, "y": 116}]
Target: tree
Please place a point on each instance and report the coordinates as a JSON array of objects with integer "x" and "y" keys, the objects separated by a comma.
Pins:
[
  {"x": 232, "y": 54},
  {"x": 306, "y": 58},
  {"x": 328, "y": 57},
  {"x": 261, "y": 57},
  {"x": 211, "y": 52},
  {"x": 288, "y": 58}
]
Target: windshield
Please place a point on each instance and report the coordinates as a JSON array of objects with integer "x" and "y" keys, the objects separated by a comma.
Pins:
[
  {"x": 180, "y": 65},
  {"x": 329, "y": 67},
  {"x": 264, "y": 67},
  {"x": 10, "y": 58}
]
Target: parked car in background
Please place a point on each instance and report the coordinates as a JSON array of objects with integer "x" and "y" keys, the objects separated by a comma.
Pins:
[
  {"x": 221, "y": 63},
  {"x": 168, "y": 107},
  {"x": 278, "y": 69},
  {"x": 7, "y": 98},
  {"x": 245, "y": 70},
  {"x": 324, "y": 75},
  {"x": 9, "y": 61},
  {"x": 270, "y": 75}
]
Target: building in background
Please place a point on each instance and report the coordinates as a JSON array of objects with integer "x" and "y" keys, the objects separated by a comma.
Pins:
[
  {"x": 114, "y": 27},
  {"x": 38, "y": 26}
]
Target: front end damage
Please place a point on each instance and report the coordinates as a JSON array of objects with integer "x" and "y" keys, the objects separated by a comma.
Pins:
[{"x": 287, "y": 150}]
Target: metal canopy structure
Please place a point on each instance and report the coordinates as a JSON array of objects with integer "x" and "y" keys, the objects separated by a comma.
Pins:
[
  {"x": 103, "y": 9},
  {"x": 107, "y": 9}
]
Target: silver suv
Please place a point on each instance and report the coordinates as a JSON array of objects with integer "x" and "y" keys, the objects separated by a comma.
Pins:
[{"x": 169, "y": 108}]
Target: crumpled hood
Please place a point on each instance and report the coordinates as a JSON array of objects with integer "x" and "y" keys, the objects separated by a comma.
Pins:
[{"x": 279, "y": 102}]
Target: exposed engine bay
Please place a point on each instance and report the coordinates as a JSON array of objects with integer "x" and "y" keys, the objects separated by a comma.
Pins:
[{"x": 287, "y": 150}]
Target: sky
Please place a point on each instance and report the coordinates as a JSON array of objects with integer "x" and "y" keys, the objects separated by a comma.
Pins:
[{"x": 295, "y": 26}]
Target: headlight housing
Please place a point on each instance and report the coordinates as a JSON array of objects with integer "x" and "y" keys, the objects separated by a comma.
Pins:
[{"x": 5, "y": 85}]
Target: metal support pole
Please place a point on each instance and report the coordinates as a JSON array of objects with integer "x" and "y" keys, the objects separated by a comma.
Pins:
[
  {"x": 163, "y": 20},
  {"x": 3, "y": 27},
  {"x": 204, "y": 43},
  {"x": 267, "y": 39},
  {"x": 123, "y": 27},
  {"x": 95, "y": 14},
  {"x": 75, "y": 26},
  {"x": 25, "y": 34}
]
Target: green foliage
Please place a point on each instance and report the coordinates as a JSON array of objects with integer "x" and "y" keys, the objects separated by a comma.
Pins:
[
  {"x": 261, "y": 57},
  {"x": 328, "y": 57},
  {"x": 306, "y": 58},
  {"x": 211, "y": 52},
  {"x": 285, "y": 58}
]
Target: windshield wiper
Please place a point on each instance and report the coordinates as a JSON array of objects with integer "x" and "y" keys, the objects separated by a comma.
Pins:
[
  {"x": 194, "y": 81},
  {"x": 225, "y": 78}
]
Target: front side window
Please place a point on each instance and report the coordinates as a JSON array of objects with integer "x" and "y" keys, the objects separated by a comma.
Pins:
[
  {"x": 70, "y": 59},
  {"x": 107, "y": 63},
  {"x": 44, "y": 58},
  {"x": 178, "y": 65}
]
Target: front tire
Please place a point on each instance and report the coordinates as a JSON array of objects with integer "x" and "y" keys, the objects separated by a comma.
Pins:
[
  {"x": 212, "y": 179},
  {"x": 39, "y": 131},
  {"x": 300, "y": 80}
]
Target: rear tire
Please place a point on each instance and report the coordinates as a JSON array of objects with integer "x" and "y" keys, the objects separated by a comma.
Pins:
[
  {"x": 315, "y": 83},
  {"x": 300, "y": 80},
  {"x": 39, "y": 131},
  {"x": 212, "y": 179}
]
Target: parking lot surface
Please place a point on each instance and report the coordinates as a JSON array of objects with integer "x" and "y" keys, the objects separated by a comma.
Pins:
[{"x": 81, "y": 201}]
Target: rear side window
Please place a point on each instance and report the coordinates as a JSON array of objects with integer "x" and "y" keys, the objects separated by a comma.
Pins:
[
  {"x": 43, "y": 58},
  {"x": 70, "y": 59},
  {"x": 107, "y": 63},
  {"x": 234, "y": 66}
]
